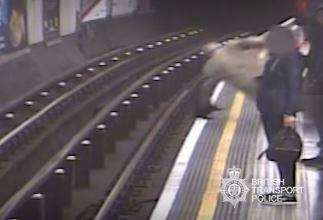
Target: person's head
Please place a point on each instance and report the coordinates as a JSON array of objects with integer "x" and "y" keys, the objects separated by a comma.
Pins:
[
  {"x": 280, "y": 40},
  {"x": 319, "y": 15}
]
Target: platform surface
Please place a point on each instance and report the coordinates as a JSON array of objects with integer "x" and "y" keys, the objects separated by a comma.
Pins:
[{"x": 235, "y": 138}]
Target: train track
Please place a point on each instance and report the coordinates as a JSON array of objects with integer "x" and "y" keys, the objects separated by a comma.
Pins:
[
  {"x": 23, "y": 151},
  {"x": 142, "y": 102},
  {"x": 17, "y": 119},
  {"x": 153, "y": 86},
  {"x": 139, "y": 187}
]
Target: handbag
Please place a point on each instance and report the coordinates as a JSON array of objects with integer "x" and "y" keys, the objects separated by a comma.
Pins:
[{"x": 286, "y": 146}]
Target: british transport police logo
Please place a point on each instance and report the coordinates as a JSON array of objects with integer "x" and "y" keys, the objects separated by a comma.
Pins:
[{"x": 234, "y": 189}]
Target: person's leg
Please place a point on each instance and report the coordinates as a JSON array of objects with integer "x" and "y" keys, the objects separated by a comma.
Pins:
[
  {"x": 272, "y": 124},
  {"x": 204, "y": 106},
  {"x": 315, "y": 108},
  {"x": 287, "y": 171},
  {"x": 319, "y": 126},
  {"x": 319, "y": 144},
  {"x": 287, "y": 174}
]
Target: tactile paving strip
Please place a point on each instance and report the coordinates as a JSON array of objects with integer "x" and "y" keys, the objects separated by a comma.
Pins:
[
  {"x": 186, "y": 204},
  {"x": 242, "y": 155},
  {"x": 248, "y": 142}
]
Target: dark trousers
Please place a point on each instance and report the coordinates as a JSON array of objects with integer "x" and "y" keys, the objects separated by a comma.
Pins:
[
  {"x": 272, "y": 124},
  {"x": 205, "y": 92},
  {"x": 314, "y": 106},
  {"x": 287, "y": 173}
]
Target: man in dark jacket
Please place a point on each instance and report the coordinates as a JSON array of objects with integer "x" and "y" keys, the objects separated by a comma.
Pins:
[
  {"x": 278, "y": 97},
  {"x": 314, "y": 81},
  {"x": 279, "y": 94}
]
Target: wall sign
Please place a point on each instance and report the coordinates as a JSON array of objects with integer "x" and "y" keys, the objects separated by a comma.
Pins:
[
  {"x": 51, "y": 19},
  {"x": 94, "y": 9},
  {"x": 13, "y": 32}
]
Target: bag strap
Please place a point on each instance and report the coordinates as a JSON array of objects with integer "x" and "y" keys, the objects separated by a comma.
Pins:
[
  {"x": 262, "y": 154},
  {"x": 274, "y": 63}
]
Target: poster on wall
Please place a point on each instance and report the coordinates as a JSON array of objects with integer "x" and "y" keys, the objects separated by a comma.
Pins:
[
  {"x": 94, "y": 9},
  {"x": 51, "y": 19},
  {"x": 124, "y": 7},
  {"x": 13, "y": 28}
]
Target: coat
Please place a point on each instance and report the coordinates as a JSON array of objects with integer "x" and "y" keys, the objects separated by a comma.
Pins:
[
  {"x": 280, "y": 87},
  {"x": 314, "y": 34}
]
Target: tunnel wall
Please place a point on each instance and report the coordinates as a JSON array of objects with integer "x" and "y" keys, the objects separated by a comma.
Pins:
[{"x": 42, "y": 60}]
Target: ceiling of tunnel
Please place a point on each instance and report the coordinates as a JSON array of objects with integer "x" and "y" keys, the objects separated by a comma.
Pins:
[{"x": 218, "y": 11}]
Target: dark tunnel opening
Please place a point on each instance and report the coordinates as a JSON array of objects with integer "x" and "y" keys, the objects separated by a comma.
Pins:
[{"x": 226, "y": 15}]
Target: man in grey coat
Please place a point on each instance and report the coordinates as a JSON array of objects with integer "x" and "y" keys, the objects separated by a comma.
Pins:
[{"x": 238, "y": 61}]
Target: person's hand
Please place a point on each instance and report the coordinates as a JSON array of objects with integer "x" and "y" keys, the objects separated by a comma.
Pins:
[
  {"x": 289, "y": 121},
  {"x": 305, "y": 48}
]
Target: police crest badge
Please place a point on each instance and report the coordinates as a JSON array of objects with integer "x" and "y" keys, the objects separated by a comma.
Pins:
[{"x": 234, "y": 189}]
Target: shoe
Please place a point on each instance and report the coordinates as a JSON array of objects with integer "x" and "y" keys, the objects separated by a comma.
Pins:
[
  {"x": 204, "y": 117},
  {"x": 313, "y": 162},
  {"x": 205, "y": 113},
  {"x": 216, "y": 108},
  {"x": 289, "y": 200},
  {"x": 277, "y": 199}
]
